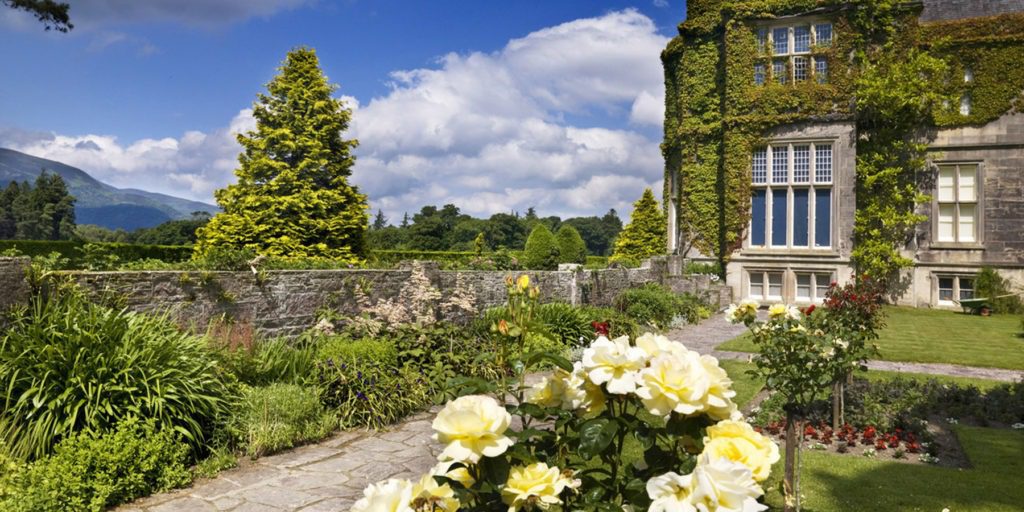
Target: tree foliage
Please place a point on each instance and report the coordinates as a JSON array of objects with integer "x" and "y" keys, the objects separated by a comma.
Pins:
[
  {"x": 292, "y": 198},
  {"x": 571, "y": 248},
  {"x": 541, "y": 249},
  {"x": 53, "y": 15},
  {"x": 45, "y": 211},
  {"x": 646, "y": 234}
]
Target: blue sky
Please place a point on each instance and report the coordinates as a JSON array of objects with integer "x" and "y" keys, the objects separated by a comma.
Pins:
[{"x": 490, "y": 105}]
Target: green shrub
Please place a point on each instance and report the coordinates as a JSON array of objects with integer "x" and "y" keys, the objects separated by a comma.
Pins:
[
  {"x": 70, "y": 365},
  {"x": 571, "y": 247},
  {"x": 619, "y": 323},
  {"x": 655, "y": 305},
  {"x": 363, "y": 381},
  {"x": 567, "y": 323},
  {"x": 990, "y": 284},
  {"x": 699, "y": 267},
  {"x": 77, "y": 254},
  {"x": 93, "y": 472},
  {"x": 273, "y": 360},
  {"x": 279, "y": 416},
  {"x": 541, "y": 251}
]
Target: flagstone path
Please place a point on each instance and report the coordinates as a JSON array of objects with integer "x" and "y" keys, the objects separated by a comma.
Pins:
[{"x": 331, "y": 475}]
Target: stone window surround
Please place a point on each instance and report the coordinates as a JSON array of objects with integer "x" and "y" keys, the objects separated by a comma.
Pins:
[
  {"x": 979, "y": 211},
  {"x": 789, "y": 283},
  {"x": 811, "y": 248},
  {"x": 956, "y": 277}
]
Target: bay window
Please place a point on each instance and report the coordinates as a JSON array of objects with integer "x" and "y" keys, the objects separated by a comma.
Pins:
[{"x": 791, "y": 201}]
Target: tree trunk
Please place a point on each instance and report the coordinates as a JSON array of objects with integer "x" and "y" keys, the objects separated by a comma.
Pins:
[
  {"x": 837, "y": 405},
  {"x": 789, "y": 482}
]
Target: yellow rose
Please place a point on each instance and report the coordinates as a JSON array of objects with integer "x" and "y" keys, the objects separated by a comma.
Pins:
[
  {"x": 718, "y": 404},
  {"x": 549, "y": 391},
  {"x": 394, "y": 495},
  {"x": 536, "y": 486},
  {"x": 777, "y": 310},
  {"x": 737, "y": 441},
  {"x": 673, "y": 383},
  {"x": 472, "y": 427},
  {"x": 523, "y": 282},
  {"x": 614, "y": 363},
  {"x": 428, "y": 495},
  {"x": 460, "y": 474}
]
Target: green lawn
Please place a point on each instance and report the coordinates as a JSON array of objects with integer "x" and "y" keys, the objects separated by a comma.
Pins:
[
  {"x": 935, "y": 336},
  {"x": 840, "y": 483}
]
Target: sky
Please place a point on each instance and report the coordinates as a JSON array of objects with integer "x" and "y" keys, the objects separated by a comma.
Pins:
[{"x": 494, "y": 106}]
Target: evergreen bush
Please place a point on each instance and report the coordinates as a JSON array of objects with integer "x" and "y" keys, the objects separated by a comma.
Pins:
[
  {"x": 990, "y": 284},
  {"x": 541, "y": 251},
  {"x": 571, "y": 247},
  {"x": 646, "y": 234}
]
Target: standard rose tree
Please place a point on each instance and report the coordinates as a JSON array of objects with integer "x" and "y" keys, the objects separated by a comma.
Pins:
[{"x": 698, "y": 454}]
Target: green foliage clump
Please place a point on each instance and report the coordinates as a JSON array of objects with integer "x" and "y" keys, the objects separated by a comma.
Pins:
[
  {"x": 991, "y": 285},
  {"x": 273, "y": 360},
  {"x": 571, "y": 248},
  {"x": 565, "y": 323},
  {"x": 541, "y": 251},
  {"x": 89, "y": 471},
  {"x": 646, "y": 234},
  {"x": 279, "y": 416},
  {"x": 78, "y": 256},
  {"x": 363, "y": 381},
  {"x": 45, "y": 211},
  {"x": 292, "y": 198},
  {"x": 70, "y": 365},
  {"x": 657, "y": 306}
]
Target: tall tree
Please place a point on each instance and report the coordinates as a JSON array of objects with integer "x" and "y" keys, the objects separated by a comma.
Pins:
[
  {"x": 646, "y": 234},
  {"x": 571, "y": 248},
  {"x": 379, "y": 221},
  {"x": 54, "y": 15},
  {"x": 293, "y": 198}
]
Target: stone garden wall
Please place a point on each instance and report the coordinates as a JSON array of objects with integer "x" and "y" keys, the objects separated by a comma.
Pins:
[{"x": 288, "y": 301}]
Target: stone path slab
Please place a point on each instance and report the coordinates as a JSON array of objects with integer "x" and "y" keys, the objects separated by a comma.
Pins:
[{"x": 327, "y": 476}]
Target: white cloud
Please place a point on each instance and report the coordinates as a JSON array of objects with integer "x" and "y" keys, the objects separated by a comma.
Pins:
[{"x": 561, "y": 119}]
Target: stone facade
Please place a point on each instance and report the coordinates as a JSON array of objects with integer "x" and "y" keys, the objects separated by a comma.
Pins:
[
  {"x": 287, "y": 301},
  {"x": 940, "y": 10}
]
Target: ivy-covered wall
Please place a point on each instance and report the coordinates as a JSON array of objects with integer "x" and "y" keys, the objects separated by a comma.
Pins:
[{"x": 895, "y": 78}]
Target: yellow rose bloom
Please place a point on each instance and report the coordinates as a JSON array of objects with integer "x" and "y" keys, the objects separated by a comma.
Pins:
[
  {"x": 536, "y": 486},
  {"x": 393, "y": 495},
  {"x": 673, "y": 383},
  {"x": 472, "y": 427},
  {"x": 523, "y": 282},
  {"x": 718, "y": 402},
  {"x": 460, "y": 475},
  {"x": 428, "y": 495},
  {"x": 614, "y": 363},
  {"x": 777, "y": 310},
  {"x": 739, "y": 442}
]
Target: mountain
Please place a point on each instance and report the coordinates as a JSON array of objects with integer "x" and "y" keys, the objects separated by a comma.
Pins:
[{"x": 99, "y": 203}]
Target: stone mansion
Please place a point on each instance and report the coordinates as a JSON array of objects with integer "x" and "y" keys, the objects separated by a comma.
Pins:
[{"x": 793, "y": 232}]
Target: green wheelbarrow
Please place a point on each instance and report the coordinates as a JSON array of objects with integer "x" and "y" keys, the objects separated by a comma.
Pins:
[{"x": 979, "y": 306}]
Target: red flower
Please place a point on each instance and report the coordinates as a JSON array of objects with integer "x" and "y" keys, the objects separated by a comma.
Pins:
[
  {"x": 600, "y": 328},
  {"x": 809, "y": 310}
]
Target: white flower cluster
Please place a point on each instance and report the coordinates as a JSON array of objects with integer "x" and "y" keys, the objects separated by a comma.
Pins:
[
  {"x": 719, "y": 485},
  {"x": 663, "y": 374}
]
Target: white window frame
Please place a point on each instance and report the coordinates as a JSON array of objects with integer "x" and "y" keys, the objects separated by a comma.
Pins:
[
  {"x": 813, "y": 296},
  {"x": 813, "y": 183},
  {"x": 766, "y": 46},
  {"x": 762, "y": 276},
  {"x": 956, "y": 203}
]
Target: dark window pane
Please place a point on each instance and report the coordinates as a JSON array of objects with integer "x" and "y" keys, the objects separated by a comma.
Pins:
[
  {"x": 758, "y": 212},
  {"x": 779, "y": 216},
  {"x": 823, "y": 217},
  {"x": 800, "y": 217}
]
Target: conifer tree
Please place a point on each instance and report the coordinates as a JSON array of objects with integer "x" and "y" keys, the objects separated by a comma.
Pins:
[
  {"x": 571, "y": 247},
  {"x": 541, "y": 252},
  {"x": 292, "y": 198},
  {"x": 646, "y": 234}
]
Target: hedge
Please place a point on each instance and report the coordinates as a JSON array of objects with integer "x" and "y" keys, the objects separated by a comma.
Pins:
[{"x": 71, "y": 249}]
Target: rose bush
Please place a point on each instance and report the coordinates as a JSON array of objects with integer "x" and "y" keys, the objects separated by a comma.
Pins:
[{"x": 566, "y": 449}]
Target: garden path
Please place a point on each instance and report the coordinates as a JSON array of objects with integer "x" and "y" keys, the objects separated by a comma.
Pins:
[
  {"x": 710, "y": 333},
  {"x": 331, "y": 475},
  {"x": 327, "y": 476}
]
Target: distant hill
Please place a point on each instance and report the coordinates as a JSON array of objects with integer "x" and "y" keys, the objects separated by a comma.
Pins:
[{"x": 99, "y": 203}]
